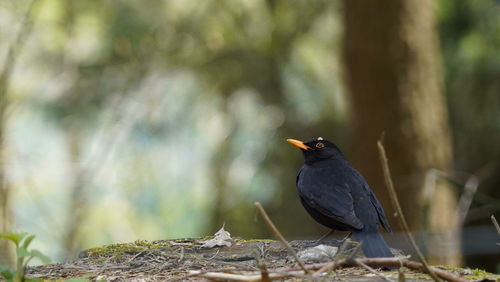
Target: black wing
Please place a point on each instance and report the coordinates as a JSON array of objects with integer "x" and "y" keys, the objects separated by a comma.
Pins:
[
  {"x": 329, "y": 196},
  {"x": 380, "y": 211}
]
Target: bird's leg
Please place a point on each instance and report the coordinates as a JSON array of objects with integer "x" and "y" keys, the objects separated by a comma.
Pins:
[
  {"x": 324, "y": 236},
  {"x": 346, "y": 237}
]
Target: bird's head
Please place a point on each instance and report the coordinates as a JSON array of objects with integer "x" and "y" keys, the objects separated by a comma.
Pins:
[{"x": 317, "y": 149}]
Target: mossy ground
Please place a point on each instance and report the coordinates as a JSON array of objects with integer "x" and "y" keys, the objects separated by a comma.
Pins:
[
  {"x": 173, "y": 259},
  {"x": 471, "y": 274}
]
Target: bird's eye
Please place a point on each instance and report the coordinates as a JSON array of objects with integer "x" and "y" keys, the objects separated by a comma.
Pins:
[{"x": 320, "y": 145}]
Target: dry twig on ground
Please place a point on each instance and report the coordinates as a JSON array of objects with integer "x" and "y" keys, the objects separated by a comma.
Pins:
[
  {"x": 367, "y": 267},
  {"x": 381, "y": 262},
  {"x": 324, "y": 267},
  {"x": 278, "y": 234},
  {"x": 384, "y": 262},
  {"x": 242, "y": 277}
]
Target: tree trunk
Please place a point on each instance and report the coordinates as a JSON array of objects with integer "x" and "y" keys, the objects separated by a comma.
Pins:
[
  {"x": 394, "y": 75},
  {"x": 15, "y": 47},
  {"x": 77, "y": 207},
  {"x": 6, "y": 249}
]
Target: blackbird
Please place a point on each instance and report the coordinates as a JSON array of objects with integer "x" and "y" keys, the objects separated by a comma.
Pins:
[{"x": 337, "y": 196}]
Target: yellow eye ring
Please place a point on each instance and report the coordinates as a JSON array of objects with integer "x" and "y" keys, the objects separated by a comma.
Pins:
[{"x": 320, "y": 145}]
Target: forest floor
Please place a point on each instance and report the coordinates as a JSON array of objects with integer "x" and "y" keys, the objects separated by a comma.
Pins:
[{"x": 196, "y": 259}]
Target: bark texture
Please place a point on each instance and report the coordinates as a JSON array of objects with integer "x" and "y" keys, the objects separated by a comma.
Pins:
[{"x": 394, "y": 75}]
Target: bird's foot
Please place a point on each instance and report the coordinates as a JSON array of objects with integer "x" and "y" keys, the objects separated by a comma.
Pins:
[
  {"x": 324, "y": 236},
  {"x": 348, "y": 236}
]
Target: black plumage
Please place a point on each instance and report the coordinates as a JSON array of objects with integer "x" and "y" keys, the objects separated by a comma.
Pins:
[{"x": 337, "y": 195}]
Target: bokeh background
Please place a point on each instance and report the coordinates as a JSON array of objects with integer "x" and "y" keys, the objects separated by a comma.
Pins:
[{"x": 126, "y": 120}]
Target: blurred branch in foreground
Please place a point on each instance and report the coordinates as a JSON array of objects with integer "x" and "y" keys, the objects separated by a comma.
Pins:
[{"x": 497, "y": 227}]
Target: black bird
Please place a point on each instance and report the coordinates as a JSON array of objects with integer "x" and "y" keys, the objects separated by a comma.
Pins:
[{"x": 337, "y": 195}]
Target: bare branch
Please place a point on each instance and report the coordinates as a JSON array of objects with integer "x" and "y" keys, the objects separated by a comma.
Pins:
[
  {"x": 277, "y": 233},
  {"x": 388, "y": 262},
  {"x": 330, "y": 266},
  {"x": 264, "y": 274},
  {"x": 495, "y": 222},
  {"x": 367, "y": 263},
  {"x": 470, "y": 183},
  {"x": 242, "y": 277},
  {"x": 380, "y": 262},
  {"x": 371, "y": 270},
  {"x": 397, "y": 207}
]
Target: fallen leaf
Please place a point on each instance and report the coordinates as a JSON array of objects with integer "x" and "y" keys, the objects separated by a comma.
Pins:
[{"x": 222, "y": 238}]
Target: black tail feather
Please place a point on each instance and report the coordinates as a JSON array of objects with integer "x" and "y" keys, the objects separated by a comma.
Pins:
[{"x": 373, "y": 244}]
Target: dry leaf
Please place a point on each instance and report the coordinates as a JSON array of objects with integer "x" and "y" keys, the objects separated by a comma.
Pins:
[{"x": 222, "y": 238}]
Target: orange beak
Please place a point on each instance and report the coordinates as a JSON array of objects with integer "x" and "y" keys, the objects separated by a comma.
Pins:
[{"x": 298, "y": 144}]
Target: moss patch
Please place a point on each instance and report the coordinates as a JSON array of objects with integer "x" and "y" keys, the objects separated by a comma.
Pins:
[
  {"x": 113, "y": 250},
  {"x": 479, "y": 274},
  {"x": 470, "y": 274}
]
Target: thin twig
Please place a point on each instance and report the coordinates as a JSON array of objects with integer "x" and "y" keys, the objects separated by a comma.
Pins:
[
  {"x": 264, "y": 274},
  {"x": 182, "y": 254},
  {"x": 330, "y": 266},
  {"x": 289, "y": 272},
  {"x": 380, "y": 262},
  {"x": 401, "y": 274},
  {"x": 325, "y": 236},
  {"x": 277, "y": 233},
  {"x": 189, "y": 275},
  {"x": 137, "y": 255},
  {"x": 216, "y": 253},
  {"x": 397, "y": 207},
  {"x": 371, "y": 270},
  {"x": 470, "y": 183},
  {"x": 355, "y": 250},
  {"x": 465, "y": 201},
  {"x": 343, "y": 247},
  {"x": 281, "y": 273},
  {"x": 387, "y": 262},
  {"x": 242, "y": 277},
  {"x": 495, "y": 222}
]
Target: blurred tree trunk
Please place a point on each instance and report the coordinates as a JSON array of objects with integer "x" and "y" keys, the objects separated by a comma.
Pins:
[
  {"x": 394, "y": 75},
  {"x": 71, "y": 238},
  {"x": 6, "y": 258},
  {"x": 5, "y": 192},
  {"x": 5, "y": 72},
  {"x": 77, "y": 197}
]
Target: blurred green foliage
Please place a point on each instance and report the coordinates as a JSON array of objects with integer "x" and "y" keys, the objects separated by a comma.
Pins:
[
  {"x": 172, "y": 113},
  {"x": 470, "y": 36}
]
